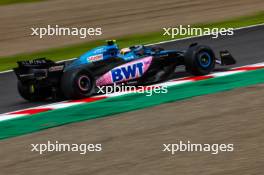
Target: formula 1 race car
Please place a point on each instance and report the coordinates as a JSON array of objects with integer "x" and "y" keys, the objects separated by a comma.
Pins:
[{"x": 41, "y": 78}]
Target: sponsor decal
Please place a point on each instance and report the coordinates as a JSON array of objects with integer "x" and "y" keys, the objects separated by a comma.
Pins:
[
  {"x": 95, "y": 57},
  {"x": 26, "y": 75},
  {"x": 34, "y": 62},
  {"x": 127, "y": 72},
  {"x": 56, "y": 68}
]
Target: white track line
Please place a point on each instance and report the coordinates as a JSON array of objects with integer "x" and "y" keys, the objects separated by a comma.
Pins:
[
  {"x": 10, "y": 117},
  {"x": 163, "y": 42},
  {"x": 7, "y": 71}
]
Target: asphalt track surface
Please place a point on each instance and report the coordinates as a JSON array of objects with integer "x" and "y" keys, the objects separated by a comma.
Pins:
[
  {"x": 246, "y": 46},
  {"x": 116, "y": 18}
]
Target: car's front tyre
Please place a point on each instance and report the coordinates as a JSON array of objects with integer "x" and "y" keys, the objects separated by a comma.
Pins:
[{"x": 199, "y": 60}]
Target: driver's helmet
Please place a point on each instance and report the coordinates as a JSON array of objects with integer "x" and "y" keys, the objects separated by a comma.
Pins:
[
  {"x": 110, "y": 42},
  {"x": 125, "y": 51},
  {"x": 139, "y": 50}
]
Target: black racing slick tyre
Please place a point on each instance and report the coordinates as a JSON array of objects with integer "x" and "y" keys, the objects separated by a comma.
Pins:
[
  {"x": 199, "y": 60},
  {"x": 77, "y": 83},
  {"x": 29, "y": 92}
]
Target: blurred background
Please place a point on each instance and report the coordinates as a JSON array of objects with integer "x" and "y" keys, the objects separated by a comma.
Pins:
[
  {"x": 133, "y": 140},
  {"x": 117, "y": 18}
]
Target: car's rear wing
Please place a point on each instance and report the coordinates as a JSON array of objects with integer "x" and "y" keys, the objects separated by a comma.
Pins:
[
  {"x": 39, "y": 62},
  {"x": 37, "y": 69}
]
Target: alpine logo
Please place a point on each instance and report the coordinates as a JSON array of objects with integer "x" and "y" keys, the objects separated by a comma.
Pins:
[
  {"x": 96, "y": 57},
  {"x": 128, "y": 72}
]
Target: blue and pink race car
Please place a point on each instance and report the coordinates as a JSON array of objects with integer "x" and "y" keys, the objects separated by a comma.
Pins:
[{"x": 40, "y": 79}]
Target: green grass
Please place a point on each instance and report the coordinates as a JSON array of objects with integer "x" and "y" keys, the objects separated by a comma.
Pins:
[
  {"x": 125, "y": 103},
  {"x": 56, "y": 54},
  {"x": 5, "y": 2}
]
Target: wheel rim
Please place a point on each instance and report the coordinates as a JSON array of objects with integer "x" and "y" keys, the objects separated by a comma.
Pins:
[
  {"x": 205, "y": 59},
  {"x": 84, "y": 83}
]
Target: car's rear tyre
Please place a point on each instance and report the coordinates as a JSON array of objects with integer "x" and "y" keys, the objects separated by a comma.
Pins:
[
  {"x": 77, "y": 83},
  {"x": 29, "y": 92},
  {"x": 199, "y": 60}
]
